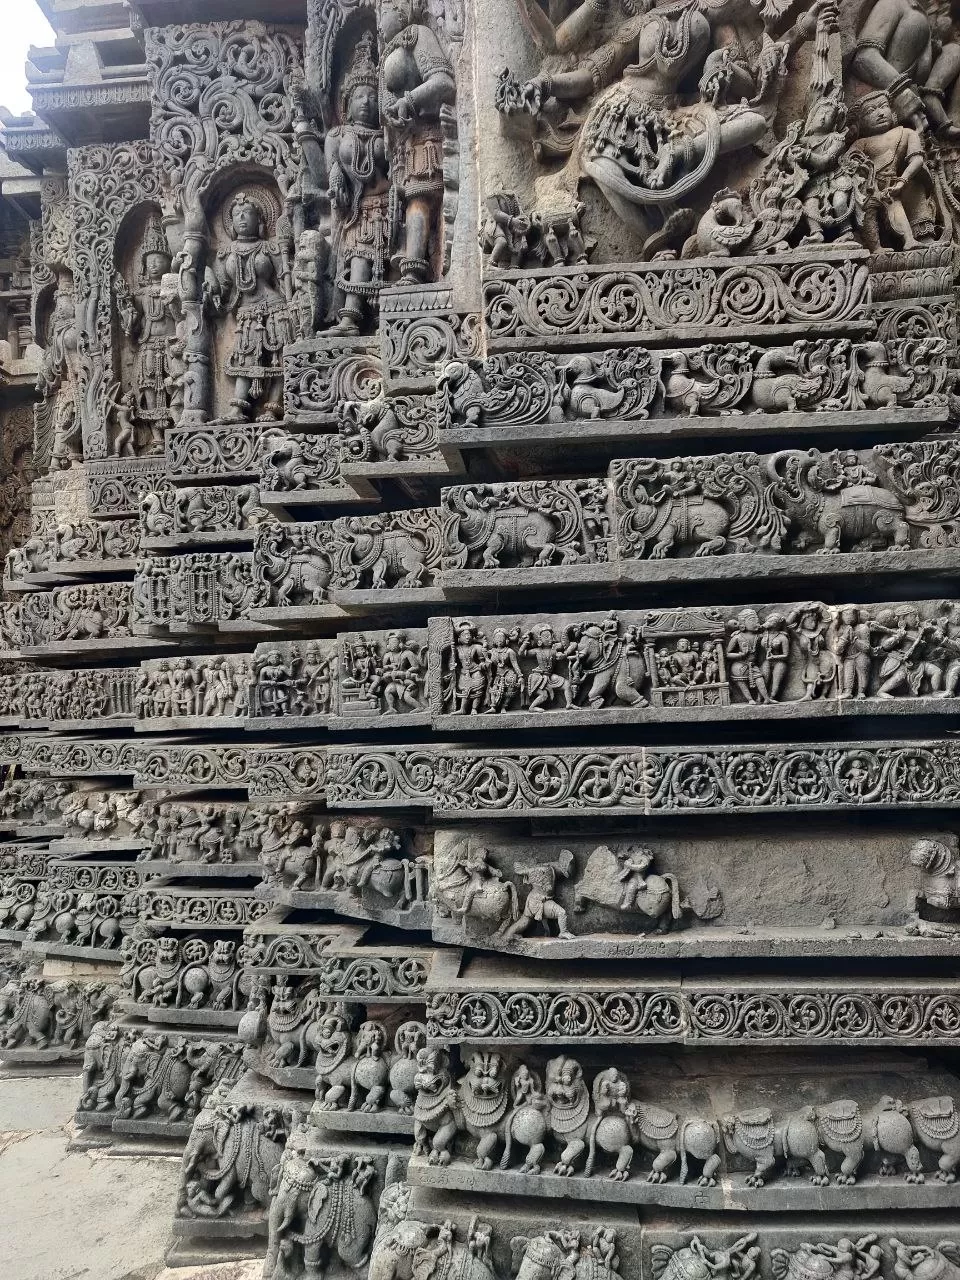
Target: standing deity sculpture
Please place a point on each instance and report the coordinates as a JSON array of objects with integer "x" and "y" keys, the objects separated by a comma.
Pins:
[
  {"x": 903, "y": 184},
  {"x": 58, "y": 381},
  {"x": 357, "y": 164},
  {"x": 149, "y": 318},
  {"x": 417, "y": 87},
  {"x": 252, "y": 283}
]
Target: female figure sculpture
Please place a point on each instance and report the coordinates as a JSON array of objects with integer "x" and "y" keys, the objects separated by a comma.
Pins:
[
  {"x": 252, "y": 283},
  {"x": 356, "y": 157},
  {"x": 149, "y": 318},
  {"x": 416, "y": 83}
]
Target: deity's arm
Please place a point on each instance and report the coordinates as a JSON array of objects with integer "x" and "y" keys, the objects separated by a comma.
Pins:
[
  {"x": 337, "y": 183},
  {"x": 219, "y": 284},
  {"x": 873, "y": 41},
  {"x": 945, "y": 70},
  {"x": 128, "y": 307},
  {"x": 597, "y": 70},
  {"x": 438, "y": 86},
  {"x": 575, "y": 28},
  {"x": 805, "y": 27},
  {"x": 823, "y": 158},
  {"x": 568, "y": 34}
]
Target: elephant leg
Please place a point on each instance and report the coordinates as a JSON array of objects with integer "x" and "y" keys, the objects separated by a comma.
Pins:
[
  {"x": 313, "y": 1268},
  {"x": 914, "y": 1165},
  {"x": 764, "y": 1167},
  {"x": 624, "y": 1160},
  {"x": 831, "y": 538},
  {"x": 948, "y": 1162},
  {"x": 416, "y": 568},
  {"x": 708, "y": 1175},
  {"x": 848, "y": 1168},
  {"x": 491, "y": 552},
  {"x": 712, "y": 547},
  {"x": 821, "y": 1173},
  {"x": 901, "y": 535},
  {"x": 485, "y": 1149},
  {"x": 665, "y": 543},
  {"x": 662, "y": 1165},
  {"x": 571, "y": 1152}
]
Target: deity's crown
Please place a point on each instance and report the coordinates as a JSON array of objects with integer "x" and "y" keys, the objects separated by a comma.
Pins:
[
  {"x": 362, "y": 70},
  {"x": 155, "y": 239}
]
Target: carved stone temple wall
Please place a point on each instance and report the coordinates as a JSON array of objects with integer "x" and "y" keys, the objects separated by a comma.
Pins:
[{"x": 480, "y": 636}]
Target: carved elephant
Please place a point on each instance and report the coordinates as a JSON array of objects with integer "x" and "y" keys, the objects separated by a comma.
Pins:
[
  {"x": 304, "y": 575},
  {"x": 34, "y": 1017},
  {"x": 671, "y": 1137},
  {"x": 173, "y": 1085},
  {"x": 838, "y": 1126},
  {"x": 527, "y": 537},
  {"x": 136, "y": 1064},
  {"x": 391, "y": 554},
  {"x": 341, "y": 1222},
  {"x": 838, "y": 512},
  {"x": 245, "y": 1149},
  {"x": 102, "y": 1057},
  {"x": 753, "y": 1135},
  {"x": 395, "y": 1251},
  {"x": 692, "y": 521},
  {"x": 936, "y": 1124},
  {"x": 888, "y": 1130}
]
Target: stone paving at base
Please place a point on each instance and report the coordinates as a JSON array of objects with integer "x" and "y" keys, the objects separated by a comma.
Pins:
[{"x": 108, "y": 1224}]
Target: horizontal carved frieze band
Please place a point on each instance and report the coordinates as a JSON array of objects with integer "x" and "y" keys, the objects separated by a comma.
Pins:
[
  {"x": 646, "y": 780},
  {"x": 589, "y": 780},
  {"x": 132, "y": 1075},
  {"x": 798, "y": 511},
  {"x": 847, "y": 1014},
  {"x": 671, "y": 300}
]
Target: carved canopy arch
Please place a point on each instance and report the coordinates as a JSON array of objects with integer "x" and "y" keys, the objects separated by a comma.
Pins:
[
  {"x": 219, "y": 93},
  {"x": 106, "y": 184},
  {"x": 327, "y": 21}
]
